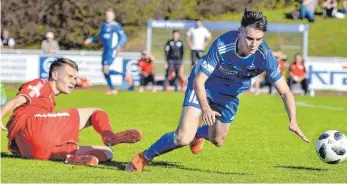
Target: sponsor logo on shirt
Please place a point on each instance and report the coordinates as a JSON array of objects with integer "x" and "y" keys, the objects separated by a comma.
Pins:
[
  {"x": 207, "y": 66},
  {"x": 276, "y": 72}
]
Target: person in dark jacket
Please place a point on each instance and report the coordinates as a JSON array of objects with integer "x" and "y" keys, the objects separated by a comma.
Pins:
[{"x": 174, "y": 58}]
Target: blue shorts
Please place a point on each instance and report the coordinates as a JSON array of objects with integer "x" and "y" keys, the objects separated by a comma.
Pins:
[
  {"x": 226, "y": 107},
  {"x": 108, "y": 58}
]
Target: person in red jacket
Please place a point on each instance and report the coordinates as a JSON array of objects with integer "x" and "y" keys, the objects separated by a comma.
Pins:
[
  {"x": 146, "y": 69},
  {"x": 297, "y": 73}
]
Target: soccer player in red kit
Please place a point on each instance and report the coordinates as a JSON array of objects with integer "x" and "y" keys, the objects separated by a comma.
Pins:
[{"x": 36, "y": 131}]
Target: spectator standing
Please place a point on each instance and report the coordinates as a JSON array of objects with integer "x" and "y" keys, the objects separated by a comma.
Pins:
[
  {"x": 6, "y": 41},
  {"x": 174, "y": 52},
  {"x": 198, "y": 38},
  {"x": 146, "y": 69},
  {"x": 297, "y": 73},
  {"x": 49, "y": 45}
]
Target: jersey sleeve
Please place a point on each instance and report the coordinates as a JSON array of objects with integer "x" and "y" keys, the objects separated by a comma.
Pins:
[
  {"x": 210, "y": 60},
  {"x": 122, "y": 36},
  {"x": 33, "y": 89},
  {"x": 273, "y": 70},
  {"x": 97, "y": 36}
]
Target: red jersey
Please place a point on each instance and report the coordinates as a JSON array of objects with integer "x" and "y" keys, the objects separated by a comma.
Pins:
[
  {"x": 297, "y": 69},
  {"x": 146, "y": 67},
  {"x": 41, "y": 101},
  {"x": 40, "y": 95}
]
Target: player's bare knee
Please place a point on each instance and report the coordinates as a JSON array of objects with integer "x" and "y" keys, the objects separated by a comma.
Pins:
[{"x": 183, "y": 140}]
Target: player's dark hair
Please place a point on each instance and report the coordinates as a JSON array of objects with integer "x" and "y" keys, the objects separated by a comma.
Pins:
[
  {"x": 255, "y": 20},
  {"x": 59, "y": 63},
  {"x": 175, "y": 31},
  {"x": 197, "y": 20}
]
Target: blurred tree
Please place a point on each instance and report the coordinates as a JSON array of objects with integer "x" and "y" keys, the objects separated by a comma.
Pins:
[{"x": 72, "y": 21}]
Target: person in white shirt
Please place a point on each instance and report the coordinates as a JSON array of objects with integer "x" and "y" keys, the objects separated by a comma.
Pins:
[
  {"x": 198, "y": 38},
  {"x": 6, "y": 42}
]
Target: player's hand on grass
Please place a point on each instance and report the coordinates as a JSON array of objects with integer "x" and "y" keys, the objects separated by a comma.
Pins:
[
  {"x": 209, "y": 116},
  {"x": 295, "y": 128},
  {"x": 3, "y": 127}
]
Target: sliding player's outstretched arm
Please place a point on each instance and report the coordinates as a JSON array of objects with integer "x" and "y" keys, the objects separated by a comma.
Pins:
[{"x": 289, "y": 102}]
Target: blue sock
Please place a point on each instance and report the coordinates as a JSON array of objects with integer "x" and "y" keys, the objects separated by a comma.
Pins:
[
  {"x": 163, "y": 145},
  {"x": 109, "y": 82},
  {"x": 202, "y": 132},
  {"x": 114, "y": 72}
]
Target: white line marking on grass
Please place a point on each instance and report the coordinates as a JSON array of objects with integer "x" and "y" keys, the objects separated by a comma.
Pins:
[{"x": 305, "y": 104}]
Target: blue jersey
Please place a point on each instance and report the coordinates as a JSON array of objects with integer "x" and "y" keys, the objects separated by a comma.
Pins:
[
  {"x": 112, "y": 36},
  {"x": 230, "y": 74}
]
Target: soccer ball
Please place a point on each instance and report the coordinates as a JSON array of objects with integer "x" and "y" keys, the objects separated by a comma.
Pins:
[{"x": 331, "y": 147}]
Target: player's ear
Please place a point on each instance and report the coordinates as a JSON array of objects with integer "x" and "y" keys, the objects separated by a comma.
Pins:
[
  {"x": 54, "y": 75},
  {"x": 239, "y": 31}
]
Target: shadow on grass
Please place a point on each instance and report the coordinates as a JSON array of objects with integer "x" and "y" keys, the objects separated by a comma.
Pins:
[
  {"x": 300, "y": 168},
  {"x": 102, "y": 165},
  {"x": 10, "y": 155},
  {"x": 180, "y": 166},
  {"x": 121, "y": 165}
]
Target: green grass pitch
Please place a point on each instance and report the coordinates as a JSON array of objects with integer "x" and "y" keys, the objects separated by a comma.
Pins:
[{"x": 259, "y": 147}]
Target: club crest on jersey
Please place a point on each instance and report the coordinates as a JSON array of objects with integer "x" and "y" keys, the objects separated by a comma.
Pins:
[
  {"x": 179, "y": 44},
  {"x": 250, "y": 67}
]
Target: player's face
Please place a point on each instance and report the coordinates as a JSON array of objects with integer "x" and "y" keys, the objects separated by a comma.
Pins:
[
  {"x": 109, "y": 16},
  {"x": 176, "y": 35},
  {"x": 298, "y": 59},
  {"x": 198, "y": 23},
  {"x": 5, "y": 34},
  {"x": 250, "y": 40},
  {"x": 66, "y": 79}
]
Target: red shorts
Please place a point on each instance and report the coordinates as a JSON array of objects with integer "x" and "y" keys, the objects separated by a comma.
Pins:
[{"x": 49, "y": 136}]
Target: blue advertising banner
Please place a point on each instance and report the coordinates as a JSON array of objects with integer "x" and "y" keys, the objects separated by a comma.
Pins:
[
  {"x": 130, "y": 66},
  {"x": 45, "y": 63}
]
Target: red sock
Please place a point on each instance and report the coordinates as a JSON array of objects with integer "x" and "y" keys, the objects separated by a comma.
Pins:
[{"x": 101, "y": 123}]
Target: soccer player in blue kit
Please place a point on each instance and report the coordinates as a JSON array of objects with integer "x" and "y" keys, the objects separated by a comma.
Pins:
[
  {"x": 213, "y": 86},
  {"x": 113, "y": 39}
]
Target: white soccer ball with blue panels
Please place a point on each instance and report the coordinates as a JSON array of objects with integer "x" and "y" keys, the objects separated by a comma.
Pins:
[{"x": 331, "y": 147}]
